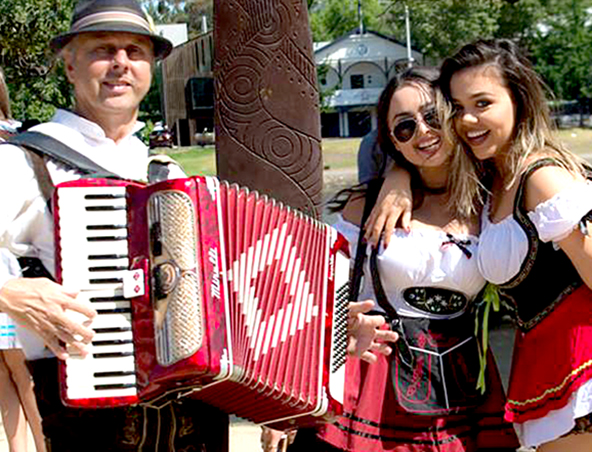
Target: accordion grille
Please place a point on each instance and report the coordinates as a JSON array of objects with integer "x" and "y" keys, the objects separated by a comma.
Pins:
[{"x": 179, "y": 333}]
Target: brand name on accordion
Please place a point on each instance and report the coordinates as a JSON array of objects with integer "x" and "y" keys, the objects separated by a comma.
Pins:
[{"x": 213, "y": 258}]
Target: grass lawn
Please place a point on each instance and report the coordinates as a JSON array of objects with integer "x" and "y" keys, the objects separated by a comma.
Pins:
[
  {"x": 577, "y": 140},
  {"x": 340, "y": 153}
]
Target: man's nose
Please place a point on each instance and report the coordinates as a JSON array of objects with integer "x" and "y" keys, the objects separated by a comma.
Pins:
[{"x": 120, "y": 57}]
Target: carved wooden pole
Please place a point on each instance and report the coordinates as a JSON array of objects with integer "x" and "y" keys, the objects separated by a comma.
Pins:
[{"x": 268, "y": 134}]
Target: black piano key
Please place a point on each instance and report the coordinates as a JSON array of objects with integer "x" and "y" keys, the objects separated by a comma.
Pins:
[
  {"x": 111, "y": 238},
  {"x": 114, "y": 374},
  {"x": 112, "y": 355},
  {"x": 100, "y": 343},
  {"x": 100, "y": 257},
  {"x": 107, "y": 299},
  {"x": 114, "y": 386},
  {"x": 113, "y": 329},
  {"x": 114, "y": 311},
  {"x": 106, "y": 281},
  {"x": 105, "y": 227},
  {"x": 105, "y": 196},
  {"x": 107, "y": 269},
  {"x": 106, "y": 208}
]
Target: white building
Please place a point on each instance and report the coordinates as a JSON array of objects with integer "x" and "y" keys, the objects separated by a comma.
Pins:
[{"x": 354, "y": 70}]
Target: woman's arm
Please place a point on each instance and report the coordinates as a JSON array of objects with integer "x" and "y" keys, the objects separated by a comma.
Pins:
[{"x": 394, "y": 206}]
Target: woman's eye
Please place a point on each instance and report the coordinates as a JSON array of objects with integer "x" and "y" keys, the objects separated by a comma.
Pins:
[{"x": 483, "y": 103}]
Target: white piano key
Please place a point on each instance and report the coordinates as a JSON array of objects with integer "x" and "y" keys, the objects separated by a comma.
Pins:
[
  {"x": 110, "y": 305},
  {"x": 88, "y": 366},
  {"x": 120, "y": 336},
  {"x": 75, "y": 251},
  {"x": 91, "y": 393},
  {"x": 96, "y": 349},
  {"x": 93, "y": 218},
  {"x": 123, "y": 320}
]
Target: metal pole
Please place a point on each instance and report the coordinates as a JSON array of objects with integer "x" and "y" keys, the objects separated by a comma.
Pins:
[
  {"x": 360, "y": 17},
  {"x": 408, "y": 34}
]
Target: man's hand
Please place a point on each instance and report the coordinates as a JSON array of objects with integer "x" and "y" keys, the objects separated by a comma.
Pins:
[
  {"x": 49, "y": 310},
  {"x": 366, "y": 337},
  {"x": 393, "y": 206}
]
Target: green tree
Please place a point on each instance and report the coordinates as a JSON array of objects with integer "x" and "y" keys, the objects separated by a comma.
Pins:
[
  {"x": 440, "y": 27},
  {"x": 331, "y": 19},
  {"x": 562, "y": 49},
  {"x": 26, "y": 27}
]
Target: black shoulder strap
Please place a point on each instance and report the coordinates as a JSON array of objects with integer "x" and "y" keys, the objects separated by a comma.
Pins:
[
  {"x": 55, "y": 149},
  {"x": 46, "y": 186},
  {"x": 372, "y": 192}
]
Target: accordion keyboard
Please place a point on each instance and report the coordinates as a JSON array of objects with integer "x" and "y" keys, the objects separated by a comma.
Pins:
[{"x": 94, "y": 260}]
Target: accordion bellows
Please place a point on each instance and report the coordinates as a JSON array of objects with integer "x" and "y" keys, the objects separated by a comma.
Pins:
[{"x": 204, "y": 290}]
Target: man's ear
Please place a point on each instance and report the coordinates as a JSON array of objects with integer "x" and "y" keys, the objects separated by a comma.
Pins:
[{"x": 67, "y": 56}]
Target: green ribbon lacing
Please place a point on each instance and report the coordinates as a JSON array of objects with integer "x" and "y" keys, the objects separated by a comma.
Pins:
[{"x": 490, "y": 299}]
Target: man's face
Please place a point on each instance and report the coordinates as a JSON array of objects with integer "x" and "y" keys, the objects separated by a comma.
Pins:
[{"x": 111, "y": 72}]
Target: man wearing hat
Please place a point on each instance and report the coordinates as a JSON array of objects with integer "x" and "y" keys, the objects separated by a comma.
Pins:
[{"x": 109, "y": 55}]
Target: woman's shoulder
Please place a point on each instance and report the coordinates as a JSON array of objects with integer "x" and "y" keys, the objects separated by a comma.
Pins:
[
  {"x": 353, "y": 211},
  {"x": 546, "y": 178}
]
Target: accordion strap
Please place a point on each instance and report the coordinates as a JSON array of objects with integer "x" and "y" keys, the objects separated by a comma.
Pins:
[
  {"x": 372, "y": 191},
  {"x": 44, "y": 181},
  {"x": 45, "y": 145}
]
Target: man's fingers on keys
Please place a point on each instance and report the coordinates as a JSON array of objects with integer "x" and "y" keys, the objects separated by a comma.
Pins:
[
  {"x": 80, "y": 307},
  {"x": 78, "y": 349},
  {"x": 53, "y": 343}
]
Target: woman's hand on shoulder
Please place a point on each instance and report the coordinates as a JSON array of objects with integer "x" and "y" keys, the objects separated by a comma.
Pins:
[
  {"x": 366, "y": 335},
  {"x": 393, "y": 206}
]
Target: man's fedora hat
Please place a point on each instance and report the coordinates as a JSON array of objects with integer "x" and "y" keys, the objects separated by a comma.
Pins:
[{"x": 112, "y": 16}]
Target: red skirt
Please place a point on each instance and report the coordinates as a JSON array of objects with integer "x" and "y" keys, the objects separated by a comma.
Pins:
[
  {"x": 374, "y": 421},
  {"x": 552, "y": 360}
]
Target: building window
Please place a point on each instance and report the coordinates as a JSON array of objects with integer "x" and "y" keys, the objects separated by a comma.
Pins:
[{"x": 357, "y": 81}]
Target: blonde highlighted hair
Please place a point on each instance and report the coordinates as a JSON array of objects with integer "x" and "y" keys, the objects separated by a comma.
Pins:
[{"x": 533, "y": 131}]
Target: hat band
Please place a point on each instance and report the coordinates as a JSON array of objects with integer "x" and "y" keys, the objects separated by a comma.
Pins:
[{"x": 122, "y": 17}]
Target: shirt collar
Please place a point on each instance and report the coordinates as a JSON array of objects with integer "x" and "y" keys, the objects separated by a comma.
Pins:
[{"x": 86, "y": 127}]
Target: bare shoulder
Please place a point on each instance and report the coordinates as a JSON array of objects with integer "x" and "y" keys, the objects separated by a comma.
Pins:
[
  {"x": 547, "y": 181},
  {"x": 354, "y": 209}
]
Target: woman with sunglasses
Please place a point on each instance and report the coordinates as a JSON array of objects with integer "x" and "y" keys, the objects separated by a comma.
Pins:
[{"x": 435, "y": 253}]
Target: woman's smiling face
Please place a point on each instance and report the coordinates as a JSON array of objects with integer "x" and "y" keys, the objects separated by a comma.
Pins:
[
  {"x": 485, "y": 114},
  {"x": 424, "y": 146}
]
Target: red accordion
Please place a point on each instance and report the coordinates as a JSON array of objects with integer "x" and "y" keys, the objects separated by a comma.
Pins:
[{"x": 205, "y": 290}]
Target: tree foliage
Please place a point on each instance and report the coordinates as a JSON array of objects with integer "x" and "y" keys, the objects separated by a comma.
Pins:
[
  {"x": 26, "y": 27},
  {"x": 557, "y": 33},
  {"x": 562, "y": 48}
]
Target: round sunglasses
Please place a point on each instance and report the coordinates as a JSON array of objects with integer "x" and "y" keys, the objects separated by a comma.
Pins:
[{"x": 405, "y": 129}]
